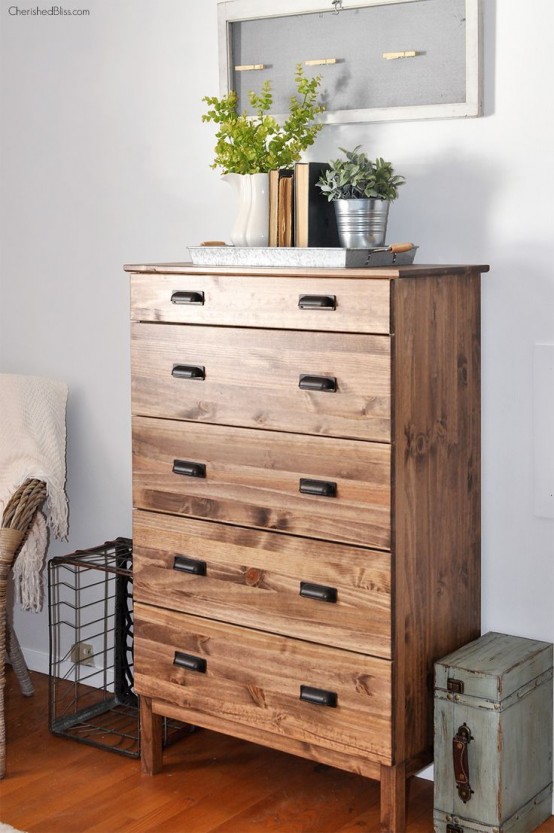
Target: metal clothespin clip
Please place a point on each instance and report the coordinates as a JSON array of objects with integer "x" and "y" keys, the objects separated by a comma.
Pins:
[{"x": 338, "y": 5}]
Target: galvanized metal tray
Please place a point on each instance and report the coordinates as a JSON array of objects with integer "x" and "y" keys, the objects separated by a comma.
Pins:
[{"x": 396, "y": 254}]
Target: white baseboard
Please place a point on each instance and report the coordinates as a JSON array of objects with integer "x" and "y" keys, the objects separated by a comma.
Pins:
[{"x": 37, "y": 661}]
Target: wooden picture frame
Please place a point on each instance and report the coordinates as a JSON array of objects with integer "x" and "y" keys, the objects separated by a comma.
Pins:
[{"x": 392, "y": 60}]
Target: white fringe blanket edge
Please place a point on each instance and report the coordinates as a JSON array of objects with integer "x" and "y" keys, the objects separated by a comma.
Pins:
[{"x": 32, "y": 445}]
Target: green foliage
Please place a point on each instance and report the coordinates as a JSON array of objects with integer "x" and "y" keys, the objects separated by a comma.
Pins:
[
  {"x": 258, "y": 143},
  {"x": 358, "y": 177}
]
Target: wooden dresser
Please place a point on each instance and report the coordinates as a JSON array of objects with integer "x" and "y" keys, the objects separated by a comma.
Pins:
[{"x": 306, "y": 489}]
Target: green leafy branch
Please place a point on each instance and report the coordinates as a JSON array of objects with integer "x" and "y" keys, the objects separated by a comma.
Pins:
[{"x": 259, "y": 143}]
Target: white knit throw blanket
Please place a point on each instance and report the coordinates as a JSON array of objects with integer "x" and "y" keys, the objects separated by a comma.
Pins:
[{"x": 32, "y": 445}]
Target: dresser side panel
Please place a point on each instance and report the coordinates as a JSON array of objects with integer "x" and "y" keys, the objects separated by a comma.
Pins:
[{"x": 436, "y": 489}]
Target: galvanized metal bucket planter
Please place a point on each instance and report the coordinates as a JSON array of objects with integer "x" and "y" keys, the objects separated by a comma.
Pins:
[{"x": 361, "y": 223}]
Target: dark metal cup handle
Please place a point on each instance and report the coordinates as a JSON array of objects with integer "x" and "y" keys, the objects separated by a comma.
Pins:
[
  {"x": 188, "y": 371},
  {"x": 319, "y": 383},
  {"x": 193, "y": 566},
  {"x": 190, "y": 662},
  {"x": 189, "y": 469},
  {"x": 318, "y": 696},
  {"x": 187, "y": 297},
  {"x": 317, "y": 302},
  {"x": 320, "y": 488},
  {"x": 318, "y": 592}
]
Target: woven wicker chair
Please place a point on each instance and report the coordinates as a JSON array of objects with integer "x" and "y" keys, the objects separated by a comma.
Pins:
[{"x": 16, "y": 523}]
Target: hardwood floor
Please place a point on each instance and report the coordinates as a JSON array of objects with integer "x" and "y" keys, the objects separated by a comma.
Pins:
[{"x": 210, "y": 784}]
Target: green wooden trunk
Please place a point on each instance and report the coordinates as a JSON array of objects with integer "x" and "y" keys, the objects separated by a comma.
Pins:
[{"x": 493, "y": 736}]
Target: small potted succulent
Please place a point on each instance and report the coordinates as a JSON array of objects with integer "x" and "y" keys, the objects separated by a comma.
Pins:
[{"x": 362, "y": 190}]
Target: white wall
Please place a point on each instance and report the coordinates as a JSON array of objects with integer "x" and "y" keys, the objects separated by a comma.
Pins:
[{"x": 105, "y": 160}]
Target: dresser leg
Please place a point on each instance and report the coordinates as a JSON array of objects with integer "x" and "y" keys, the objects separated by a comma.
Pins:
[
  {"x": 393, "y": 799},
  {"x": 150, "y": 738}
]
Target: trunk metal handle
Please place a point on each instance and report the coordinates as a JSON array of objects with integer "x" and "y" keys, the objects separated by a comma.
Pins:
[{"x": 460, "y": 759}]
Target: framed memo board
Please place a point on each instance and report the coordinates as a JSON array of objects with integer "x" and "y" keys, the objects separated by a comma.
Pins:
[{"x": 380, "y": 60}]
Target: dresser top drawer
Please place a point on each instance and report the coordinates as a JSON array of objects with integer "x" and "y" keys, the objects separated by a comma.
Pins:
[{"x": 331, "y": 303}]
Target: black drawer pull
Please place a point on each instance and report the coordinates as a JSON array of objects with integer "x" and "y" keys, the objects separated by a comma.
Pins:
[
  {"x": 187, "y": 297},
  {"x": 323, "y": 383},
  {"x": 190, "y": 662},
  {"x": 321, "y": 488},
  {"x": 189, "y": 469},
  {"x": 188, "y": 371},
  {"x": 317, "y": 301},
  {"x": 193, "y": 566},
  {"x": 318, "y": 696},
  {"x": 319, "y": 592}
]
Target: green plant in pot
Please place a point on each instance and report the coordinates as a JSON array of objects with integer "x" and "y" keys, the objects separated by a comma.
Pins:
[
  {"x": 248, "y": 147},
  {"x": 362, "y": 190}
]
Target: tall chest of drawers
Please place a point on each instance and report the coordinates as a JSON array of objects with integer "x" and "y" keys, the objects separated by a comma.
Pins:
[{"x": 306, "y": 490}]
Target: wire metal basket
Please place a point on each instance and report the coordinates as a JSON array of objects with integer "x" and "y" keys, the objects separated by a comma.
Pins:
[{"x": 91, "y": 694}]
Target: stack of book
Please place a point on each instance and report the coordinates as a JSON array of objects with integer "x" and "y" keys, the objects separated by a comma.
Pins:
[{"x": 299, "y": 214}]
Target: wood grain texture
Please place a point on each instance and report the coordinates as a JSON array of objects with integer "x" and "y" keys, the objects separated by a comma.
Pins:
[
  {"x": 362, "y": 307},
  {"x": 436, "y": 502},
  {"x": 327, "y": 755},
  {"x": 252, "y": 379},
  {"x": 255, "y": 678},
  {"x": 253, "y": 579},
  {"x": 418, "y": 497},
  {"x": 393, "y": 797},
  {"x": 210, "y": 783},
  {"x": 151, "y": 738},
  {"x": 252, "y": 479},
  {"x": 364, "y": 275}
]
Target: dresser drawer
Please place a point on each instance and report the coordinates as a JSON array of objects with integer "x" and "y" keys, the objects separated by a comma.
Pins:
[
  {"x": 319, "y": 695},
  {"x": 321, "y": 592},
  {"x": 310, "y": 383},
  {"x": 317, "y": 303},
  {"x": 264, "y": 479}
]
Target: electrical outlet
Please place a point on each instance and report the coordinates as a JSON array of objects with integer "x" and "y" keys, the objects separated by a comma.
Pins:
[{"x": 82, "y": 653}]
